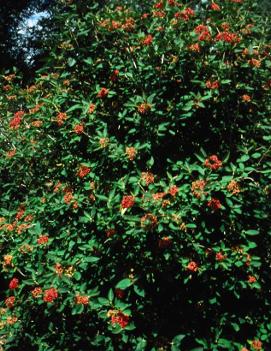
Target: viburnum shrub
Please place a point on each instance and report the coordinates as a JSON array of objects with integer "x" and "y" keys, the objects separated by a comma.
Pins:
[{"x": 135, "y": 182}]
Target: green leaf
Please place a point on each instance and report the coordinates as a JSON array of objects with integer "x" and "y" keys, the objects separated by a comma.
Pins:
[
  {"x": 116, "y": 329},
  {"x": 236, "y": 327},
  {"x": 200, "y": 158},
  {"x": 176, "y": 342},
  {"x": 92, "y": 259},
  {"x": 88, "y": 61},
  {"x": 102, "y": 301},
  {"x": 78, "y": 309},
  {"x": 224, "y": 343},
  {"x": 110, "y": 295},
  {"x": 244, "y": 158},
  {"x": 141, "y": 345},
  {"x": 225, "y": 81},
  {"x": 252, "y": 232},
  {"x": 139, "y": 291},
  {"x": 213, "y": 301},
  {"x": 191, "y": 225},
  {"x": 256, "y": 155},
  {"x": 36, "y": 229},
  {"x": 77, "y": 276},
  {"x": 130, "y": 326},
  {"x": 71, "y": 61},
  {"x": 74, "y": 107},
  {"x": 124, "y": 284}
]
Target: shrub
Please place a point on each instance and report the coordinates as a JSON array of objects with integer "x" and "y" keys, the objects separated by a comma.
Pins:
[{"x": 135, "y": 182}]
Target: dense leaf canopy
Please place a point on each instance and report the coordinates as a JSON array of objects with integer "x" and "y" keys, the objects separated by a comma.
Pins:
[{"x": 135, "y": 181}]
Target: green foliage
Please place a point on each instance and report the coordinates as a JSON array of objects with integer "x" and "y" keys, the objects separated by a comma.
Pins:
[{"x": 135, "y": 187}]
